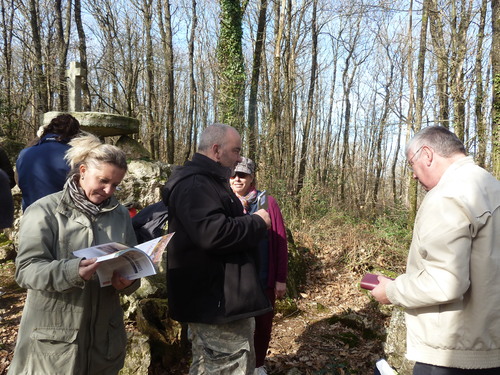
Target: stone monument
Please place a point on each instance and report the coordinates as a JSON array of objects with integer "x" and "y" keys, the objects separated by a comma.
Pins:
[
  {"x": 75, "y": 74},
  {"x": 99, "y": 123}
]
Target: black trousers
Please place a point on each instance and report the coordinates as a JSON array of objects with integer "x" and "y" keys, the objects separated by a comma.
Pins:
[{"x": 425, "y": 369}]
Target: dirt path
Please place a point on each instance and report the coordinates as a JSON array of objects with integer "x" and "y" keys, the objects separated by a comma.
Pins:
[
  {"x": 337, "y": 330},
  {"x": 11, "y": 305}
]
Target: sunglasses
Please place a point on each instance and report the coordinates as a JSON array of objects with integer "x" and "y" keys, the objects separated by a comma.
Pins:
[{"x": 240, "y": 175}]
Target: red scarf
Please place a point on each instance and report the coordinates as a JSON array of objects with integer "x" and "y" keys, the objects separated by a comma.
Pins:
[{"x": 248, "y": 199}]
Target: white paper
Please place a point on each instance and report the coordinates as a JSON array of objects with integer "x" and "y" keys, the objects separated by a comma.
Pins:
[
  {"x": 130, "y": 262},
  {"x": 384, "y": 368}
]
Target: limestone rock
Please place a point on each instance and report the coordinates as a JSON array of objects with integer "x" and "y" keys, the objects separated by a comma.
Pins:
[
  {"x": 165, "y": 335},
  {"x": 7, "y": 251},
  {"x": 395, "y": 346},
  {"x": 132, "y": 148},
  {"x": 143, "y": 182},
  {"x": 151, "y": 287},
  {"x": 100, "y": 124},
  {"x": 138, "y": 357}
]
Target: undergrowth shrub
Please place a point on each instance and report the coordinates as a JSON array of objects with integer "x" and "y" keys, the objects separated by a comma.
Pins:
[{"x": 360, "y": 241}]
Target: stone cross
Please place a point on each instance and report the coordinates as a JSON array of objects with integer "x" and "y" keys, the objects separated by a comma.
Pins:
[{"x": 74, "y": 74}]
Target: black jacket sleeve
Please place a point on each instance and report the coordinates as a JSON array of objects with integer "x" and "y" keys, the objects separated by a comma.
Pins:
[
  {"x": 6, "y": 202},
  {"x": 7, "y": 167},
  {"x": 212, "y": 216}
]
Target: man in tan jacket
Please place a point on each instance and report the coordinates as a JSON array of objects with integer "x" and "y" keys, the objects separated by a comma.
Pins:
[{"x": 451, "y": 288}]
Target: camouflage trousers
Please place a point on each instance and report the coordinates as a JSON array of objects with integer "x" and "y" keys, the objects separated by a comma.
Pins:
[{"x": 225, "y": 349}]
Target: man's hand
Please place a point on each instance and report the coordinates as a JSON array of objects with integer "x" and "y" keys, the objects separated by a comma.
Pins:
[
  {"x": 379, "y": 291},
  {"x": 120, "y": 282},
  {"x": 263, "y": 214},
  {"x": 87, "y": 268}
]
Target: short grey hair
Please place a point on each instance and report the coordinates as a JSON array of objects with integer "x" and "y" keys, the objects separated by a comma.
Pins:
[
  {"x": 87, "y": 149},
  {"x": 214, "y": 134},
  {"x": 441, "y": 140}
]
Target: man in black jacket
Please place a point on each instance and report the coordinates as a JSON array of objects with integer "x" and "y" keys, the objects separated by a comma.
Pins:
[
  {"x": 212, "y": 283},
  {"x": 6, "y": 202},
  {"x": 7, "y": 167}
]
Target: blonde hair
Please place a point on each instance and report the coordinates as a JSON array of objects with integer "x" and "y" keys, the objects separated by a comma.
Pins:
[{"x": 87, "y": 149}]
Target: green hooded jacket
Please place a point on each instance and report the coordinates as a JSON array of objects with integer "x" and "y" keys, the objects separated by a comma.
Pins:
[{"x": 68, "y": 326}]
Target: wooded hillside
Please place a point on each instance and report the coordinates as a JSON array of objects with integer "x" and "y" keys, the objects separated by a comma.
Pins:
[{"x": 325, "y": 92}]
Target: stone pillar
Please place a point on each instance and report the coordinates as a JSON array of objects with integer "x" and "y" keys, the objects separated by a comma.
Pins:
[{"x": 74, "y": 74}]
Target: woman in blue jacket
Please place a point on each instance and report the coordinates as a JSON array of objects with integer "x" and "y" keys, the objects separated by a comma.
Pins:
[{"x": 41, "y": 168}]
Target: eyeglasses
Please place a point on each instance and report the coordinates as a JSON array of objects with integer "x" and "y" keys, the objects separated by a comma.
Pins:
[{"x": 410, "y": 161}]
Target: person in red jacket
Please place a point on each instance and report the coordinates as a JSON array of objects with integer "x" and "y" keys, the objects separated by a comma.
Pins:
[{"x": 273, "y": 254}]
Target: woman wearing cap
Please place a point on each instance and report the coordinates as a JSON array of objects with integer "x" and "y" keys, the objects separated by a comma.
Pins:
[
  {"x": 70, "y": 325},
  {"x": 273, "y": 254}
]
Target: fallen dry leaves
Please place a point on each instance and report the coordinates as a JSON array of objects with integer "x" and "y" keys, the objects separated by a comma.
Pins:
[
  {"x": 11, "y": 305},
  {"x": 337, "y": 328}
]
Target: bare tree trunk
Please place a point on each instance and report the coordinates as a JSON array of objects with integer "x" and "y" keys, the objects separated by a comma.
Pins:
[
  {"x": 166, "y": 32},
  {"x": 288, "y": 129},
  {"x": 436, "y": 29},
  {"x": 275, "y": 85},
  {"x": 495, "y": 62},
  {"x": 381, "y": 132},
  {"x": 419, "y": 103},
  {"x": 329, "y": 147},
  {"x": 412, "y": 186},
  {"x": 459, "y": 49},
  {"x": 480, "y": 94},
  {"x": 286, "y": 138},
  {"x": 347, "y": 82},
  {"x": 128, "y": 49},
  {"x": 62, "y": 37},
  {"x": 82, "y": 48},
  {"x": 310, "y": 99},
  {"x": 421, "y": 67},
  {"x": 411, "y": 80},
  {"x": 394, "y": 165},
  {"x": 254, "y": 84},
  {"x": 39, "y": 87},
  {"x": 192, "y": 85},
  {"x": 7, "y": 12},
  {"x": 147, "y": 10}
]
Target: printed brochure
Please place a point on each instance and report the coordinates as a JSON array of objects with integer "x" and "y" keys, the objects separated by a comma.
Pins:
[{"x": 130, "y": 262}]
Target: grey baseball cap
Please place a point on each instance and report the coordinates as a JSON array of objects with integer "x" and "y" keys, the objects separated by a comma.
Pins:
[{"x": 246, "y": 165}]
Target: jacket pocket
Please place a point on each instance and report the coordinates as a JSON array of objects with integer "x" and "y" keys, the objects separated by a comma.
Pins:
[
  {"x": 53, "y": 351},
  {"x": 117, "y": 339},
  {"x": 243, "y": 292}
]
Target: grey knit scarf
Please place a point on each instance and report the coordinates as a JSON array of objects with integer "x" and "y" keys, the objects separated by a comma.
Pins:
[{"x": 78, "y": 196}]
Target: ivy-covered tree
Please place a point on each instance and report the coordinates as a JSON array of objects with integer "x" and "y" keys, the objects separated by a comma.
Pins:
[{"x": 231, "y": 64}]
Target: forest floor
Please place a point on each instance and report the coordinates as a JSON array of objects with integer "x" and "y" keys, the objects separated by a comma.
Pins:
[{"x": 332, "y": 327}]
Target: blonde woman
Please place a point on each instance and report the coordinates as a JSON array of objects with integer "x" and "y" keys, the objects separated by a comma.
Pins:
[{"x": 70, "y": 325}]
